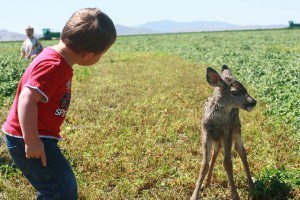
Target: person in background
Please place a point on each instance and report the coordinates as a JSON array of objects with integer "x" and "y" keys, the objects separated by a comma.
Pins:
[
  {"x": 31, "y": 47},
  {"x": 32, "y": 128}
]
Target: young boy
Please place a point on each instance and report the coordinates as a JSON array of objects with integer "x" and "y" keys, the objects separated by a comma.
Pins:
[{"x": 42, "y": 101}]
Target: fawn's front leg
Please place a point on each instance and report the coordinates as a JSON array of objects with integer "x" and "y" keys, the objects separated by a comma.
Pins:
[
  {"x": 206, "y": 147},
  {"x": 228, "y": 166},
  {"x": 239, "y": 147}
]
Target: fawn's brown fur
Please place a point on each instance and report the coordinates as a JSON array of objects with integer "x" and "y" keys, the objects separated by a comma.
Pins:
[{"x": 221, "y": 126}]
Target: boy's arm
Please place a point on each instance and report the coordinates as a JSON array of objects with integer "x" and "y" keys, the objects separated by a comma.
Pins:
[{"x": 28, "y": 116}]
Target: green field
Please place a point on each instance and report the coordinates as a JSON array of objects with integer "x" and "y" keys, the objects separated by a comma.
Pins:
[{"x": 133, "y": 128}]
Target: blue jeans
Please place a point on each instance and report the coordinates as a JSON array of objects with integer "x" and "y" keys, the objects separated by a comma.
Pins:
[{"x": 56, "y": 181}]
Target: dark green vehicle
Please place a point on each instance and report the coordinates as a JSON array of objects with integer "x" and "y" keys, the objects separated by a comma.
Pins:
[
  {"x": 48, "y": 35},
  {"x": 293, "y": 25}
]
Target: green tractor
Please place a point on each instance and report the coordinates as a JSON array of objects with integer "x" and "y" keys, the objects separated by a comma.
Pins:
[
  {"x": 293, "y": 25},
  {"x": 48, "y": 35}
]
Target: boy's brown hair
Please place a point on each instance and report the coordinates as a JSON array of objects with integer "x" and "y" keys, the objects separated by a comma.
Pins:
[{"x": 89, "y": 30}]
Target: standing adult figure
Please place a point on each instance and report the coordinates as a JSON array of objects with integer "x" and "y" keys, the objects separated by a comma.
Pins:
[{"x": 31, "y": 47}]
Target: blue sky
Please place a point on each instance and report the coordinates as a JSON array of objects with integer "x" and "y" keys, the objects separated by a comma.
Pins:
[{"x": 16, "y": 15}]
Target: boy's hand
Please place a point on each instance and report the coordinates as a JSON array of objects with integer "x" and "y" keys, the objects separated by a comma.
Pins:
[
  {"x": 27, "y": 114},
  {"x": 35, "y": 149}
]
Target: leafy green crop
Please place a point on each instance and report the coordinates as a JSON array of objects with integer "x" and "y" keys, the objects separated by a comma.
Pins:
[
  {"x": 269, "y": 61},
  {"x": 10, "y": 72},
  {"x": 276, "y": 184},
  {"x": 133, "y": 130}
]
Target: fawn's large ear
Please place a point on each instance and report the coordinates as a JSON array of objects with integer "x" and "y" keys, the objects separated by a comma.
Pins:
[
  {"x": 225, "y": 71},
  {"x": 213, "y": 78}
]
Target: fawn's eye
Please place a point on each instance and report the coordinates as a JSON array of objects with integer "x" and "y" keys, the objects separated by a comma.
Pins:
[{"x": 236, "y": 92}]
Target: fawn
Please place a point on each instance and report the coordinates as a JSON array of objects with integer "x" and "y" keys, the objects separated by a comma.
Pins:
[{"x": 221, "y": 126}]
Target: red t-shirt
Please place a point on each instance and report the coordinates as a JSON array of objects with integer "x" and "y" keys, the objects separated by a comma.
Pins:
[{"x": 51, "y": 75}]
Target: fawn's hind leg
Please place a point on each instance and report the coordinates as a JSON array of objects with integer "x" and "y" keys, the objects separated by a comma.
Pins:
[
  {"x": 217, "y": 147},
  {"x": 206, "y": 147},
  {"x": 239, "y": 147}
]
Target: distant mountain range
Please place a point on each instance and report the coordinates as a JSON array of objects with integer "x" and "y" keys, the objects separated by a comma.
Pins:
[
  {"x": 168, "y": 26},
  {"x": 10, "y": 36},
  {"x": 164, "y": 26}
]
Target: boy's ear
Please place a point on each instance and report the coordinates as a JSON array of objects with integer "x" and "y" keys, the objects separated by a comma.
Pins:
[
  {"x": 213, "y": 78},
  {"x": 87, "y": 55}
]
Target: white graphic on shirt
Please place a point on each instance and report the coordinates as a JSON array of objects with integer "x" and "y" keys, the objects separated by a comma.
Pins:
[{"x": 64, "y": 102}]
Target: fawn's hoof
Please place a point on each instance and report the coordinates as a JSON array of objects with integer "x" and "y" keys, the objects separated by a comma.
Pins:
[
  {"x": 235, "y": 197},
  {"x": 195, "y": 196}
]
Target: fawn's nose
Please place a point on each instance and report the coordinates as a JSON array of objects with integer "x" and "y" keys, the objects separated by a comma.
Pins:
[
  {"x": 250, "y": 105},
  {"x": 252, "y": 102}
]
